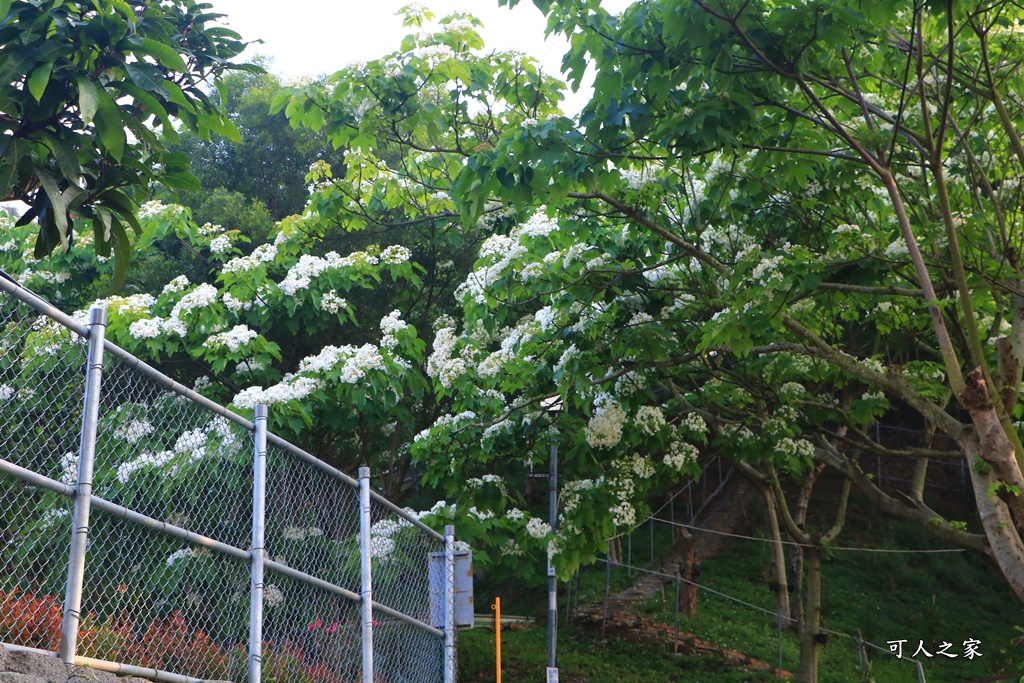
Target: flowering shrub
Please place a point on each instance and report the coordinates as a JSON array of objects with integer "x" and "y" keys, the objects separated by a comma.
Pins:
[
  {"x": 167, "y": 644},
  {"x": 30, "y": 620}
]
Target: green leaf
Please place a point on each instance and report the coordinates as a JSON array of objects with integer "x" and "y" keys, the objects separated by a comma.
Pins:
[
  {"x": 182, "y": 180},
  {"x": 64, "y": 152},
  {"x": 153, "y": 105},
  {"x": 88, "y": 99},
  {"x": 109, "y": 126},
  {"x": 38, "y": 80},
  {"x": 5, "y": 9},
  {"x": 146, "y": 76},
  {"x": 165, "y": 54},
  {"x": 122, "y": 253}
]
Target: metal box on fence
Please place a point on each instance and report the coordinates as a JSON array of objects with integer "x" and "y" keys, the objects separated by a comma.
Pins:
[{"x": 463, "y": 589}]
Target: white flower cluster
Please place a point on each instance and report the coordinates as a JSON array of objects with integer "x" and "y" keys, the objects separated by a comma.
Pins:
[
  {"x": 446, "y": 421},
  {"x": 220, "y": 245},
  {"x": 178, "y": 284},
  {"x": 133, "y": 431},
  {"x": 680, "y": 454},
  {"x": 441, "y": 365},
  {"x": 739, "y": 433},
  {"x": 572, "y": 490},
  {"x": 514, "y": 514},
  {"x": 897, "y": 249},
  {"x": 389, "y": 325},
  {"x": 604, "y": 429},
  {"x": 623, "y": 514},
  {"x": 234, "y": 304},
  {"x": 122, "y": 305},
  {"x": 797, "y": 448},
  {"x": 302, "y": 273},
  {"x": 637, "y": 178},
  {"x": 186, "y": 553},
  {"x": 126, "y": 470},
  {"x": 641, "y": 466},
  {"x": 332, "y": 303},
  {"x": 355, "y": 362},
  {"x": 791, "y": 391},
  {"x": 694, "y": 424},
  {"x": 537, "y": 528},
  {"x": 265, "y": 253},
  {"x": 537, "y": 225},
  {"x": 476, "y": 482},
  {"x": 650, "y": 419},
  {"x": 234, "y": 339},
  {"x": 203, "y": 296},
  {"x": 395, "y": 255},
  {"x": 272, "y": 596},
  {"x": 291, "y": 389},
  {"x": 6, "y": 392},
  {"x": 294, "y": 533}
]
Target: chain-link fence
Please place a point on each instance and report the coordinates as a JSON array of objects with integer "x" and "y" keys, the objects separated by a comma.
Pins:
[{"x": 146, "y": 530}]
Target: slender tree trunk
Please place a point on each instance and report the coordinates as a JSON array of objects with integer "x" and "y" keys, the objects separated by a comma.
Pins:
[
  {"x": 810, "y": 625},
  {"x": 687, "y": 588},
  {"x": 781, "y": 583},
  {"x": 803, "y": 500}
]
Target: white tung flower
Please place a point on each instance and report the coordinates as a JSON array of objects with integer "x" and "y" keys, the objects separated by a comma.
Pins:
[
  {"x": 234, "y": 339},
  {"x": 605, "y": 428},
  {"x": 650, "y": 419},
  {"x": 220, "y": 245},
  {"x": 538, "y": 529}
]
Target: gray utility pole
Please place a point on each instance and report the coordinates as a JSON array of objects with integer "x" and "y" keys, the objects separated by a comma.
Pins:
[{"x": 552, "y": 579}]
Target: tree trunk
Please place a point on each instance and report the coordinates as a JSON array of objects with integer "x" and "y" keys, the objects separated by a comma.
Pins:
[
  {"x": 800, "y": 518},
  {"x": 810, "y": 626},
  {"x": 781, "y": 583},
  {"x": 688, "y": 588}
]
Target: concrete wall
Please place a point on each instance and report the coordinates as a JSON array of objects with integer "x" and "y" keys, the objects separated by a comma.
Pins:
[{"x": 31, "y": 667}]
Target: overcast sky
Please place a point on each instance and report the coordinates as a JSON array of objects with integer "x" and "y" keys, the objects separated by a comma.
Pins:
[{"x": 312, "y": 37}]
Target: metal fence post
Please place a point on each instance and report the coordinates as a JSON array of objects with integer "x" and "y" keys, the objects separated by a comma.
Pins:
[
  {"x": 607, "y": 584},
  {"x": 259, "y": 509},
  {"x": 83, "y": 489},
  {"x": 366, "y": 592},
  {"x": 449, "y": 604}
]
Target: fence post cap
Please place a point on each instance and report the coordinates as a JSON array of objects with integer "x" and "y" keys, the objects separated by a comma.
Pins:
[
  {"x": 261, "y": 412},
  {"x": 364, "y": 472},
  {"x": 97, "y": 315}
]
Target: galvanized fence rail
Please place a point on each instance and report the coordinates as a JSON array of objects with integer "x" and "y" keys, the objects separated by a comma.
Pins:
[{"x": 147, "y": 530}]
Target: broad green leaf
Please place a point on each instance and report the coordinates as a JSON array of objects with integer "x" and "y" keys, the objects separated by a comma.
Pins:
[
  {"x": 165, "y": 54},
  {"x": 122, "y": 253},
  {"x": 38, "y": 80},
  {"x": 64, "y": 152},
  {"x": 109, "y": 126},
  {"x": 88, "y": 98}
]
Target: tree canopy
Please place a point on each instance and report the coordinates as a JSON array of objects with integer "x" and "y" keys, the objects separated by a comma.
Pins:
[{"x": 91, "y": 92}]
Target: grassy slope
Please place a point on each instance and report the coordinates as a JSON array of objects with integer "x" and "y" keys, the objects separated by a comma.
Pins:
[{"x": 930, "y": 597}]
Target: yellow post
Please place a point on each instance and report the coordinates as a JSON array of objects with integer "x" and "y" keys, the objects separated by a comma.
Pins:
[{"x": 497, "y": 636}]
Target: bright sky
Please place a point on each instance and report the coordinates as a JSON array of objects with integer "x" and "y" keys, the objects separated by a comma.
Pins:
[{"x": 312, "y": 37}]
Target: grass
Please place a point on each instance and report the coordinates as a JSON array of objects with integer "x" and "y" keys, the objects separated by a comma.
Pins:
[
  {"x": 933, "y": 598},
  {"x": 584, "y": 658}
]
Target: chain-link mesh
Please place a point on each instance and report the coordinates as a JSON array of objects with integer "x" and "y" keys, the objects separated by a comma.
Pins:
[
  {"x": 310, "y": 635},
  {"x": 402, "y": 652},
  {"x": 154, "y": 600},
  {"x": 171, "y": 459},
  {"x": 312, "y": 520},
  {"x": 401, "y": 556},
  {"x": 42, "y": 381},
  {"x": 150, "y": 599},
  {"x": 41, "y": 393}
]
